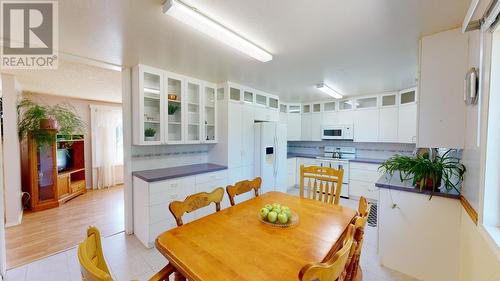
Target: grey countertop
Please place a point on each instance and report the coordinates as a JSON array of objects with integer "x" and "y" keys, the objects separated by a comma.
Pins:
[
  {"x": 177, "y": 172},
  {"x": 358, "y": 160},
  {"x": 395, "y": 183}
]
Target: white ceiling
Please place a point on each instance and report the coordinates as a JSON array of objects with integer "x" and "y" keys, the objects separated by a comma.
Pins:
[
  {"x": 355, "y": 46},
  {"x": 72, "y": 79}
]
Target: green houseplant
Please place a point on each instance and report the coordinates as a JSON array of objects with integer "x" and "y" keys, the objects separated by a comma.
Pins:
[
  {"x": 149, "y": 134},
  {"x": 426, "y": 172},
  {"x": 172, "y": 108},
  {"x": 41, "y": 120}
]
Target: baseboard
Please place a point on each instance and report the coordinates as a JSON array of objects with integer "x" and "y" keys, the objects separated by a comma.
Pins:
[{"x": 19, "y": 220}]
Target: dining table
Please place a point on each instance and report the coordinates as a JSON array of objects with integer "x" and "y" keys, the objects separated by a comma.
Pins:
[{"x": 233, "y": 244}]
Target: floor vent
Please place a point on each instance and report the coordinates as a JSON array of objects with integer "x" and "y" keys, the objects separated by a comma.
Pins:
[{"x": 372, "y": 216}]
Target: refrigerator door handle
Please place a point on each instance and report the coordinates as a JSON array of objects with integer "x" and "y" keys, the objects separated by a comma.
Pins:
[{"x": 275, "y": 162}]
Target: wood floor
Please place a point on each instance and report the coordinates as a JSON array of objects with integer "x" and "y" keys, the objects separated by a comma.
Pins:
[{"x": 50, "y": 231}]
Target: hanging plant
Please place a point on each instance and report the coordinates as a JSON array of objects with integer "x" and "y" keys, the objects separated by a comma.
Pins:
[{"x": 42, "y": 120}]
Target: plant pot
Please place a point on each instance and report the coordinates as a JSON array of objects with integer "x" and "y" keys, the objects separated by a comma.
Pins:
[
  {"x": 429, "y": 184},
  {"x": 49, "y": 124},
  {"x": 149, "y": 138}
]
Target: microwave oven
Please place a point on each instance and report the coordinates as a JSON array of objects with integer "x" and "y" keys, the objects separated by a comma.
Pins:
[{"x": 337, "y": 132}]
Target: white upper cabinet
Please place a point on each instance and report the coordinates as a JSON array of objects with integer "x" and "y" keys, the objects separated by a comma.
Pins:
[
  {"x": 388, "y": 124},
  {"x": 407, "y": 123},
  {"x": 366, "y": 125},
  {"x": 171, "y": 108},
  {"x": 316, "y": 123},
  {"x": 193, "y": 111},
  {"x": 294, "y": 123},
  {"x": 210, "y": 114},
  {"x": 306, "y": 134},
  {"x": 346, "y": 104},
  {"x": 176, "y": 115},
  {"x": 148, "y": 103},
  {"x": 366, "y": 102},
  {"x": 389, "y": 100},
  {"x": 443, "y": 64}
]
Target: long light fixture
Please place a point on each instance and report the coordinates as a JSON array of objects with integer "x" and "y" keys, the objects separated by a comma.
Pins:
[
  {"x": 193, "y": 17},
  {"x": 329, "y": 91}
]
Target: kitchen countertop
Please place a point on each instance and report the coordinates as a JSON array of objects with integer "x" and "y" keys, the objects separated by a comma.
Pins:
[
  {"x": 394, "y": 182},
  {"x": 177, "y": 172},
  {"x": 357, "y": 160}
]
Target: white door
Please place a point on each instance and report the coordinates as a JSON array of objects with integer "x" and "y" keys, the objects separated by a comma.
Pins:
[
  {"x": 235, "y": 134},
  {"x": 247, "y": 135},
  {"x": 407, "y": 128},
  {"x": 281, "y": 159},
  {"x": 388, "y": 124}
]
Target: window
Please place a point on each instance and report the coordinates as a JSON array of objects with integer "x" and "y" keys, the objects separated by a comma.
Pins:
[{"x": 491, "y": 203}]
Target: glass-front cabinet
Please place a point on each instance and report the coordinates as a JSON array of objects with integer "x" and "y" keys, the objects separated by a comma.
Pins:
[
  {"x": 210, "y": 114},
  {"x": 148, "y": 105},
  {"x": 193, "y": 111},
  {"x": 173, "y": 109},
  {"x": 175, "y": 104}
]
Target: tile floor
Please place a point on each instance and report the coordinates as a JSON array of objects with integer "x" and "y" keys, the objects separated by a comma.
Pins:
[{"x": 130, "y": 260}]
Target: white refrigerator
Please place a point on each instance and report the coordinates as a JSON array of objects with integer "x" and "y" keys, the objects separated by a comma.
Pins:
[{"x": 270, "y": 155}]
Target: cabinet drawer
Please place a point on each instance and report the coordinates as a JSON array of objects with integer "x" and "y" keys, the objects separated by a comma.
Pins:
[
  {"x": 364, "y": 166},
  {"x": 165, "y": 186},
  {"x": 164, "y": 193},
  {"x": 362, "y": 188},
  {"x": 364, "y": 175},
  {"x": 210, "y": 186},
  {"x": 208, "y": 177}
]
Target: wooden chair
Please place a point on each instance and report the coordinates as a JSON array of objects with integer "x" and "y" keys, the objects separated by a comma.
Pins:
[
  {"x": 334, "y": 268},
  {"x": 194, "y": 202},
  {"x": 93, "y": 265},
  {"x": 243, "y": 187},
  {"x": 323, "y": 183},
  {"x": 354, "y": 270}
]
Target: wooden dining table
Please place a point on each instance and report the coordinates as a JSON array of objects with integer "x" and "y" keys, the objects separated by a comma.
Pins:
[{"x": 234, "y": 244}]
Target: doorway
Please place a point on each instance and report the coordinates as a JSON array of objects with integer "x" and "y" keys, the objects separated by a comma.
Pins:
[{"x": 92, "y": 91}]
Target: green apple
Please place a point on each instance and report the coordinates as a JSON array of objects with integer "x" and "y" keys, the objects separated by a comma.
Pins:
[
  {"x": 283, "y": 218},
  {"x": 272, "y": 216},
  {"x": 285, "y": 208},
  {"x": 263, "y": 213},
  {"x": 277, "y": 210},
  {"x": 288, "y": 212},
  {"x": 276, "y": 206},
  {"x": 269, "y": 207}
]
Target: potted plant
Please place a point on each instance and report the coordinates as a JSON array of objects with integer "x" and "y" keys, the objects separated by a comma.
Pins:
[
  {"x": 41, "y": 121},
  {"x": 149, "y": 134},
  {"x": 426, "y": 172}
]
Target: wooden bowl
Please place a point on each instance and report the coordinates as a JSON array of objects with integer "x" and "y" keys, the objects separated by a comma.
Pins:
[{"x": 172, "y": 97}]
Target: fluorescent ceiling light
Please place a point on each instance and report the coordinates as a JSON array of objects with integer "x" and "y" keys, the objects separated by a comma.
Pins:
[
  {"x": 329, "y": 91},
  {"x": 191, "y": 16}
]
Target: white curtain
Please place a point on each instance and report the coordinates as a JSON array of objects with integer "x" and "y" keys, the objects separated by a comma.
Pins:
[{"x": 107, "y": 146}]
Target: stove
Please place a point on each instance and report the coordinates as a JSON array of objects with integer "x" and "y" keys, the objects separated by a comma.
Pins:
[{"x": 338, "y": 158}]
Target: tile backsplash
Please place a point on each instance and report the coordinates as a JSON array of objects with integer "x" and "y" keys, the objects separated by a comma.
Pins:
[{"x": 363, "y": 149}]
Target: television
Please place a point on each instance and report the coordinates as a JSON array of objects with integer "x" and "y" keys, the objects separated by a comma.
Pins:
[{"x": 64, "y": 159}]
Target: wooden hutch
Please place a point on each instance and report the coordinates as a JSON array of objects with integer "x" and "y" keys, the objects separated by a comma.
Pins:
[{"x": 54, "y": 173}]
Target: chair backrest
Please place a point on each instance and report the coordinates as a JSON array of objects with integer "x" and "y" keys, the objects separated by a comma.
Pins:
[
  {"x": 335, "y": 267},
  {"x": 359, "y": 230},
  {"x": 243, "y": 187},
  {"x": 194, "y": 202},
  {"x": 92, "y": 263},
  {"x": 322, "y": 183}
]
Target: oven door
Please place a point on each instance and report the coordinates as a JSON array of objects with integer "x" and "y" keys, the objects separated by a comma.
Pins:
[{"x": 332, "y": 133}]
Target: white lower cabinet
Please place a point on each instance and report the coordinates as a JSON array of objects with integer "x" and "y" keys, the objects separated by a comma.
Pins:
[
  {"x": 362, "y": 179},
  {"x": 292, "y": 171},
  {"x": 151, "y": 200}
]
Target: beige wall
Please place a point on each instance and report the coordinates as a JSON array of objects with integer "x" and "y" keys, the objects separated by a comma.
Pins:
[
  {"x": 478, "y": 260},
  {"x": 83, "y": 108},
  {"x": 11, "y": 152}
]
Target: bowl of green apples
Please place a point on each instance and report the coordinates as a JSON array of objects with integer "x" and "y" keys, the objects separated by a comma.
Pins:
[{"x": 277, "y": 215}]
